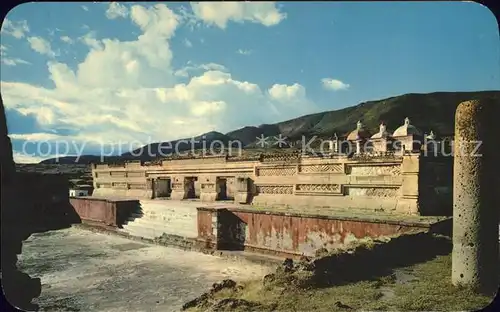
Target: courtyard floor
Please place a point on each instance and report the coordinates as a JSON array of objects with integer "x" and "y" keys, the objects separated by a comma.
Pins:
[{"x": 82, "y": 270}]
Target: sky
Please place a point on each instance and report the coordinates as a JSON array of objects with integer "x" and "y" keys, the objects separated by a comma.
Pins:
[{"x": 92, "y": 78}]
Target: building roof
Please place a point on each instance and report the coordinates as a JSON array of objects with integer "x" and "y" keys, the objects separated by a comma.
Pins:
[
  {"x": 359, "y": 133},
  {"x": 382, "y": 133},
  {"x": 407, "y": 129}
]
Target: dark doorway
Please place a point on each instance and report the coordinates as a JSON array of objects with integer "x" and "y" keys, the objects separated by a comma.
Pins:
[
  {"x": 191, "y": 192},
  {"x": 222, "y": 189},
  {"x": 162, "y": 188},
  {"x": 231, "y": 231}
]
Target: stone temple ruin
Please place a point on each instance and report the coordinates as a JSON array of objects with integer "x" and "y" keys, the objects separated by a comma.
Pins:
[
  {"x": 288, "y": 204},
  {"x": 401, "y": 180}
]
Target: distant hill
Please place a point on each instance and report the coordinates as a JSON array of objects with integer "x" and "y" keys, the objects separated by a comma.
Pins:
[
  {"x": 182, "y": 145},
  {"x": 432, "y": 111}
]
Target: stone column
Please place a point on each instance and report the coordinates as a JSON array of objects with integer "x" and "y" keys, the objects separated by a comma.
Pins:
[
  {"x": 208, "y": 189},
  {"x": 475, "y": 258},
  {"x": 242, "y": 190},
  {"x": 408, "y": 203},
  {"x": 178, "y": 188}
]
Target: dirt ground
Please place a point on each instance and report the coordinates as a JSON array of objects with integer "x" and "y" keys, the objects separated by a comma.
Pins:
[{"x": 86, "y": 271}]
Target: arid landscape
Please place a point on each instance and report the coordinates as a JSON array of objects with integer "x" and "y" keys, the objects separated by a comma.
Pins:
[{"x": 250, "y": 156}]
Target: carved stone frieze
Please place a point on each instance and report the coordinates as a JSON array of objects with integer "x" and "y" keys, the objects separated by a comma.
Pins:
[
  {"x": 373, "y": 191},
  {"x": 392, "y": 170},
  {"x": 322, "y": 168},
  {"x": 280, "y": 158},
  {"x": 274, "y": 189},
  {"x": 318, "y": 188},
  {"x": 277, "y": 171}
]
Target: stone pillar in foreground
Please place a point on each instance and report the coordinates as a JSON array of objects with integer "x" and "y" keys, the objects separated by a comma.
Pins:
[{"x": 475, "y": 258}]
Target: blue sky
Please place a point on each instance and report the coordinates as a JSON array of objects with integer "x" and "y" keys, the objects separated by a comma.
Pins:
[{"x": 99, "y": 74}]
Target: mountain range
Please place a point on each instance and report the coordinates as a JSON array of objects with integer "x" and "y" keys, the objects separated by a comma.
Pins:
[{"x": 431, "y": 111}]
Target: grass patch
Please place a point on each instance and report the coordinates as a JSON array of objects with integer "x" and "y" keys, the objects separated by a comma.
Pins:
[{"x": 420, "y": 287}]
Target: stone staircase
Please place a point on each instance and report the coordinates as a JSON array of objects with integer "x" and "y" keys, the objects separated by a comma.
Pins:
[{"x": 157, "y": 217}]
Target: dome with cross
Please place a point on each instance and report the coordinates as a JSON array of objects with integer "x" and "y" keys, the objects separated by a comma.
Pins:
[
  {"x": 382, "y": 133},
  {"x": 359, "y": 134},
  {"x": 407, "y": 129}
]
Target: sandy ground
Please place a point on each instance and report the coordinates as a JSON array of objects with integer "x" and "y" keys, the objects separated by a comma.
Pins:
[{"x": 85, "y": 271}]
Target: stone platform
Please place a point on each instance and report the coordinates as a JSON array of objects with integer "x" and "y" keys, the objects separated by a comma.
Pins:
[{"x": 285, "y": 232}]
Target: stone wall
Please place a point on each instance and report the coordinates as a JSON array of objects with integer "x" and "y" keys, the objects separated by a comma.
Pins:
[
  {"x": 390, "y": 183},
  {"x": 294, "y": 234},
  {"x": 107, "y": 211}
]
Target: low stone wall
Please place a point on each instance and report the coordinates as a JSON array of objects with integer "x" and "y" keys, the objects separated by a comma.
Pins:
[
  {"x": 293, "y": 234},
  {"x": 107, "y": 211}
]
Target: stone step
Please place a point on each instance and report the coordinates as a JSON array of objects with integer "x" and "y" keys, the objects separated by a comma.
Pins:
[
  {"x": 167, "y": 210},
  {"x": 168, "y": 217},
  {"x": 141, "y": 230},
  {"x": 162, "y": 216},
  {"x": 179, "y": 205},
  {"x": 173, "y": 223},
  {"x": 165, "y": 219},
  {"x": 177, "y": 227},
  {"x": 182, "y": 212}
]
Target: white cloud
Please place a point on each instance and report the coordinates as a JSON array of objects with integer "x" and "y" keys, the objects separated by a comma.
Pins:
[
  {"x": 188, "y": 43},
  {"x": 9, "y": 61},
  {"x": 220, "y": 13},
  {"x": 197, "y": 69},
  {"x": 41, "y": 46},
  {"x": 14, "y": 61},
  {"x": 25, "y": 158},
  {"x": 334, "y": 84},
  {"x": 292, "y": 98},
  {"x": 16, "y": 29},
  {"x": 129, "y": 91},
  {"x": 35, "y": 136},
  {"x": 67, "y": 39},
  {"x": 244, "y": 52},
  {"x": 90, "y": 40},
  {"x": 281, "y": 92},
  {"x": 85, "y": 8},
  {"x": 116, "y": 10}
]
